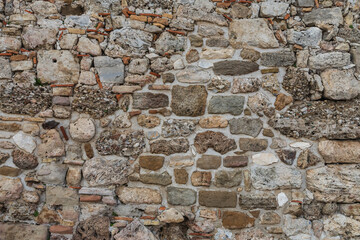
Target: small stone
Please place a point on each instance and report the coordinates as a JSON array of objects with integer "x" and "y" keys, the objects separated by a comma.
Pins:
[
  {"x": 308, "y": 38},
  {"x": 122, "y": 121},
  {"x": 219, "y": 85},
  {"x": 217, "y": 42},
  {"x": 38, "y": 38},
  {"x": 181, "y": 196},
  {"x": 192, "y": 56},
  {"x": 268, "y": 133},
  {"x": 210, "y": 53},
  {"x": 216, "y": 140},
  {"x": 181, "y": 176},
  {"x": 24, "y": 141},
  {"x": 56, "y": 195},
  {"x": 237, "y": 220},
  {"x": 138, "y": 195},
  {"x": 10, "y": 127},
  {"x": 168, "y": 77},
  {"x": 282, "y": 199},
  {"x": 264, "y": 159},
  {"x": 168, "y": 147},
  {"x": 213, "y": 122},
  {"x": 193, "y": 75},
  {"x": 73, "y": 176},
  {"x": 89, "y": 150},
  {"x": 255, "y": 145},
  {"x": 234, "y": 67},
  {"x": 148, "y": 121},
  {"x": 273, "y": 9},
  {"x": 110, "y": 70},
  {"x": 138, "y": 66},
  {"x": 62, "y": 112},
  {"x": 208, "y": 162},
  {"x": 4, "y": 157},
  {"x": 30, "y": 196},
  {"x": 301, "y": 145},
  {"x": 52, "y": 173},
  {"x": 226, "y": 104},
  {"x": 270, "y": 218},
  {"x": 52, "y": 145},
  {"x": 239, "y": 10},
  {"x": 270, "y": 83},
  {"x": 278, "y": 59},
  {"x": 245, "y": 85},
  {"x": 329, "y": 60},
  {"x": 156, "y": 178},
  {"x": 208, "y": 30},
  {"x": 196, "y": 40},
  {"x": 151, "y": 162},
  {"x": 87, "y": 78},
  {"x": 262, "y": 200},
  {"x": 6, "y": 68},
  {"x": 188, "y": 101},
  {"x": 171, "y": 216},
  {"x": 235, "y": 161},
  {"x": 258, "y": 103},
  {"x": 247, "y": 126},
  {"x": 68, "y": 41},
  {"x": 201, "y": 178},
  {"x": 24, "y": 160},
  {"x": 216, "y": 199},
  {"x": 287, "y": 156},
  {"x": 150, "y": 100},
  {"x": 282, "y": 101},
  {"x": 21, "y": 65},
  {"x": 228, "y": 179},
  {"x": 92, "y": 228},
  {"x": 10, "y": 171},
  {"x": 168, "y": 42},
  {"x": 181, "y": 161},
  {"x": 82, "y": 130},
  {"x": 10, "y": 43}
]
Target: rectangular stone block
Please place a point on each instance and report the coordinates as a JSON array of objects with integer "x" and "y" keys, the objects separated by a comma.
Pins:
[{"x": 219, "y": 199}]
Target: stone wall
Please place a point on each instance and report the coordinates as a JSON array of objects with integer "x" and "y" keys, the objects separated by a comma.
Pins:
[{"x": 179, "y": 119}]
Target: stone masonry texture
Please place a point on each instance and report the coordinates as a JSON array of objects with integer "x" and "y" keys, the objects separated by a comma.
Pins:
[{"x": 179, "y": 119}]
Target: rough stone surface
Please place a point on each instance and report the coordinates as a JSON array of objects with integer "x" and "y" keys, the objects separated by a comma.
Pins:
[
  {"x": 150, "y": 100},
  {"x": 52, "y": 145},
  {"x": 226, "y": 104},
  {"x": 216, "y": 140},
  {"x": 93, "y": 228},
  {"x": 82, "y": 130},
  {"x": 168, "y": 147},
  {"x": 181, "y": 196},
  {"x": 340, "y": 151},
  {"x": 234, "y": 67},
  {"x": 188, "y": 101},
  {"x": 217, "y": 199},
  {"x": 138, "y": 195},
  {"x": 247, "y": 126},
  {"x": 178, "y": 128}
]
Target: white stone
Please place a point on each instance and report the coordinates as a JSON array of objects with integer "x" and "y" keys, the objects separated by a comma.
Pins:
[
  {"x": 301, "y": 145},
  {"x": 68, "y": 41},
  {"x": 282, "y": 199},
  {"x": 171, "y": 216},
  {"x": 294, "y": 226},
  {"x": 179, "y": 64},
  {"x": 193, "y": 75},
  {"x": 309, "y": 38},
  {"x": 86, "y": 45},
  {"x": 217, "y": 53},
  {"x": 264, "y": 159},
  {"x": 82, "y": 130},
  {"x": 21, "y": 65},
  {"x": 25, "y": 142},
  {"x": 273, "y": 9},
  {"x": 5, "y": 72},
  {"x": 87, "y": 78}
]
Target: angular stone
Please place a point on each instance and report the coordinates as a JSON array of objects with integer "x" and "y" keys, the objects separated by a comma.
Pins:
[
  {"x": 308, "y": 38},
  {"x": 234, "y": 67},
  {"x": 195, "y": 40},
  {"x": 68, "y": 41},
  {"x": 178, "y": 127},
  {"x": 168, "y": 42},
  {"x": 264, "y": 159},
  {"x": 252, "y": 144},
  {"x": 23, "y": 231},
  {"x": 181, "y": 176},
  {"x": 287, "y": 156},
  {"x": 135, "y": 230},
  {"x": 92, "y": 228},
  {"x": 213, "y": 122},
  {"x": 24, "y": 160},
  {"x": 122, "y": 121},
  {"x": 52, "y": 145},
  {"x": 156, "y": 178},
  {"x": 239, "y": 10},
  {"x": 228, "y": 179},
  {"x": 217, "y": 42},
  {"x": 273, "y": 9},
  {"x": 128, "y": 143},
  {"x": 216, "y": 140},
  {"x": 329, "y": 60},
  {"x": 296, "y": 227},
  {"x": 151, "y": 162},
  {"x": 10, "y": 189},
  {"x": 340, "y": 151},
  {"x": 150, "y": 100},
  {"x": 82, "y": 130},
  {"x": 62, "y": 112},
  {"x": 128, "y": 42},
  {"x": 138, "y": 195},
  {"x": 9, "y": 43},
  {"x": 217, "y": 54},
  {"x": 218, "y": 199},
  {"x": 5, "y": 72},
  {"x": 39, "y": 38},
  {"x": 245, "y": 85},
  {"x": 201, "y": 178},
  {"x": 4, "y": 157},
  {"x": 263, "y": 200},
  {"x": 193, "y": 75},
  {"x": 188, "y": 101},
  {"x": 237, "y": 220},
  {"x": 198, "y": 14},
  {"x": 340, "y": 84},
  {"x": 341, "y": 226},
  {"x": 87, "y": 46},
  {"x": 168, "y": 147},
  {"x": 219, "y": 85},
  {"x": 260, "y": 36},
  {"x": 148, "y": 121},
  {"x": 235, "y": 161},
  {"x": 226, "y": 104},
  {"x": 21, "y": 65},
  {"x": 320, "y": 16},
  {"x": 99, "y": 172},
  {"x": 53, "y": 173},
  {"x": 282, "y": 101},
  {"x": 56, "y": 66},
  {"x": 247, "y": 126},
  {"x": 275, "y": 177},
  {"x": 56, "y": 195},
  {"x": 110, "y": 70},
  {"x": 181, "y": 196},
  {"x": 25, "y": 142},
  {"x": 208, "y": 162},
  {"x": 281, "y": 58}
]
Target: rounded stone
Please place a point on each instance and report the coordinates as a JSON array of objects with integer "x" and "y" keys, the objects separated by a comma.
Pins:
[
  {"x": 24, "y": 160},
  {"x": 82, "y": 130}
]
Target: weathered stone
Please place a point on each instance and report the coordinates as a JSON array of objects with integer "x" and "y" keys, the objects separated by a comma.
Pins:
[
  {"x": 340, "y": 84},
  {"x": 178, "y": 127},
  {"x": 219, "y": 85},
  {"x": 168, "y": 77},
  {"x": 340, "y": 151},
  {"x": 346, "y": 209},
  {"x": 168, "y": 42},
  {"x": 128, "y": 143},
  {"x": 52, "y": 173},
  {"x": 228, "y": 179},
  {"x": 237, "y": 220},
  {"x": 56, "y": 195},
  {"x": 298, "y": 83},
  {"x": 264, "y": 159},
  {"x": 253, "y": 144},
  {"x": 192, "y": 56},
  {"x": 341, "y": 226},
  {"x": 308, "y": 38},
  {"x": 150, "y": 100},
  {"x": 334, "y": 183},
  {"x": 22, "y": 19},
  {"x": 156, "y": 178},
  {"x": 201, "y": 178},
  {"x": 62, "y": 112},
  {"x": 9, "y": 43},
  {"x": 10, "y": 171},
  {"x": 320, "y": 16},
  {"x": 235, "y": 161},
  {"x": 208, "y": 162},
  {"x": 305, "y": 3},
  {"x": 23, "y": 231},
  {"x": 282, "y": 101},
  {"x": 312, "y": 211},
  {"x": 25, "y": 142},
  {"x": 181, "y": 176},
  {"x": 296, "y": 227},
  {"x": 219, "y": 199},
  {"x": 270, "y": 218},
  {"x": 133, "y": 231},
  {"x": 181, "y": 196},
  {"x": 245, "y": 85},
  {"x": 138, "y": 66},
  {"x": 5, "y": 72},
  {"x": 263, "y": 200},
  {"x": 110, "y": 70},
  {"x": 73, "y": 176},
  {"x": 181, "y": 161},
  {"x": 93, "y": 228},
  {"x": 217, "y": 42},
  {"x": 287, "y": 156},
  {"x": 148, "y": 121},
  {"x": 52, "y": 145},
  {"x": 10, "y": 189},
  {"x": 275, "y": 177},
  {"x": 151, "y": 162},
  {"x": 213, "y": 122},
  {"x": 57, "y": 67},
  {"x": 10, "y": 127},
  {"x": 239, "y": 10},
  {"x": 168, "y": 147},
  {"x": 97, "y": 171},
  {"x": 82, "y": 130},
  {"x": 4, "y": 157},
  {"x": 24, "y": 160},
  {"x": 85, "y": 45},
  {"x": 193, "y": 75},
  {"x": 216, "y": 140},
  {"x": 182, "y": 23},
  {"x": 198, "y": 14},
  {"x": 329, "y": 60},
  {"x": 226, "y": 104},
  {"x": 188, "y": 101},
  {"x": 195, "y": 40},
  {"x": 234, "y": 67},
  {"x": 122, "y": 121},
  {"x": 210, "y": 53},
  {"x": 138, "y": 195},
  {"x": 247, "y": 126},
  {"x": 307, "y": 159},
  {"x": 171, "y": 216},
  {"x": 278, "y": 59},
  {"x": 260, "y": 36},
  {"x": 273, "y": 9}
]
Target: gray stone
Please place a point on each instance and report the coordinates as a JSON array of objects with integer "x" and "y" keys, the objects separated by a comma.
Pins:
[
  {"x": 193, "y": 75},
  {"x": 244, "y": 85},
  {"x": 296, "y": 226},
  {"x": 188, "y": 101},
  {"x": 305, "y": 3},
  {"x": 341, "y": 226},
  {"x": 5, "y": 72},
  {"x": 138, "y": 66},
  {"x": 10, "y": 189},
  {"x": 181, "y": 196},
  {"x": 281, "y": 58},
  {"x": 24, "y": 141},
  {"x": 178, "y": 127},
  {"x": 275, "y": 177},
  {"x": 320, "y": 16},
  {"x": 56, "y": 195},
  {"x": 110, "y": 70},
  {"x": 228, "y": 179},
  {"x": 195, "y": 40},
  {"x": 52, "y": 173},
  {"x": 273, "y": 9},
  {"x": 86, "y": 45},
  {"x": 350, "y": 34},
  {"x": 247, "y": 126},
  {"x": 209, "y": 30},
  {"x": 36, "y": 38},
  {"x": 10, "y": 231},
  {"x": 263, "y": 200},
  {"x": 308, "y": 38},
  {"x": 260, "y": 35},
  {"x": 355, "y": 56},
  {"x": 100, "y": 172},
  {"x": 340, "y": 84},
  {"x": 168, "y": 42},
  {"x": 253, "y": 144},
  {"x": 234, "y": 67},
  {"x": 149, "y": 100},
  {"x": 226, "y": 104},
  {"x": 197, "y": 14},
  {"x": 183, "y": 23},
  {"x": 239, "y": 10},
  {"x": 135, "y": 230},
  {"x": 217, "y": 42},
  {"x": 52, "y": 145},
  {"x": 163, "y": 178},
  {"x": 329, "y": 60}
]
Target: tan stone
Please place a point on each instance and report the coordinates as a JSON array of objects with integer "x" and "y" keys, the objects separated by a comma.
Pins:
[
  {"x": 340, "y": 151},
  {"x": 148, "y": 121},
  {"x": 237, "y": 220},
  {"x": 213, "y": 122},
  {"x": 138, "y": 195},
  {"x": 201, "y": 178}
]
